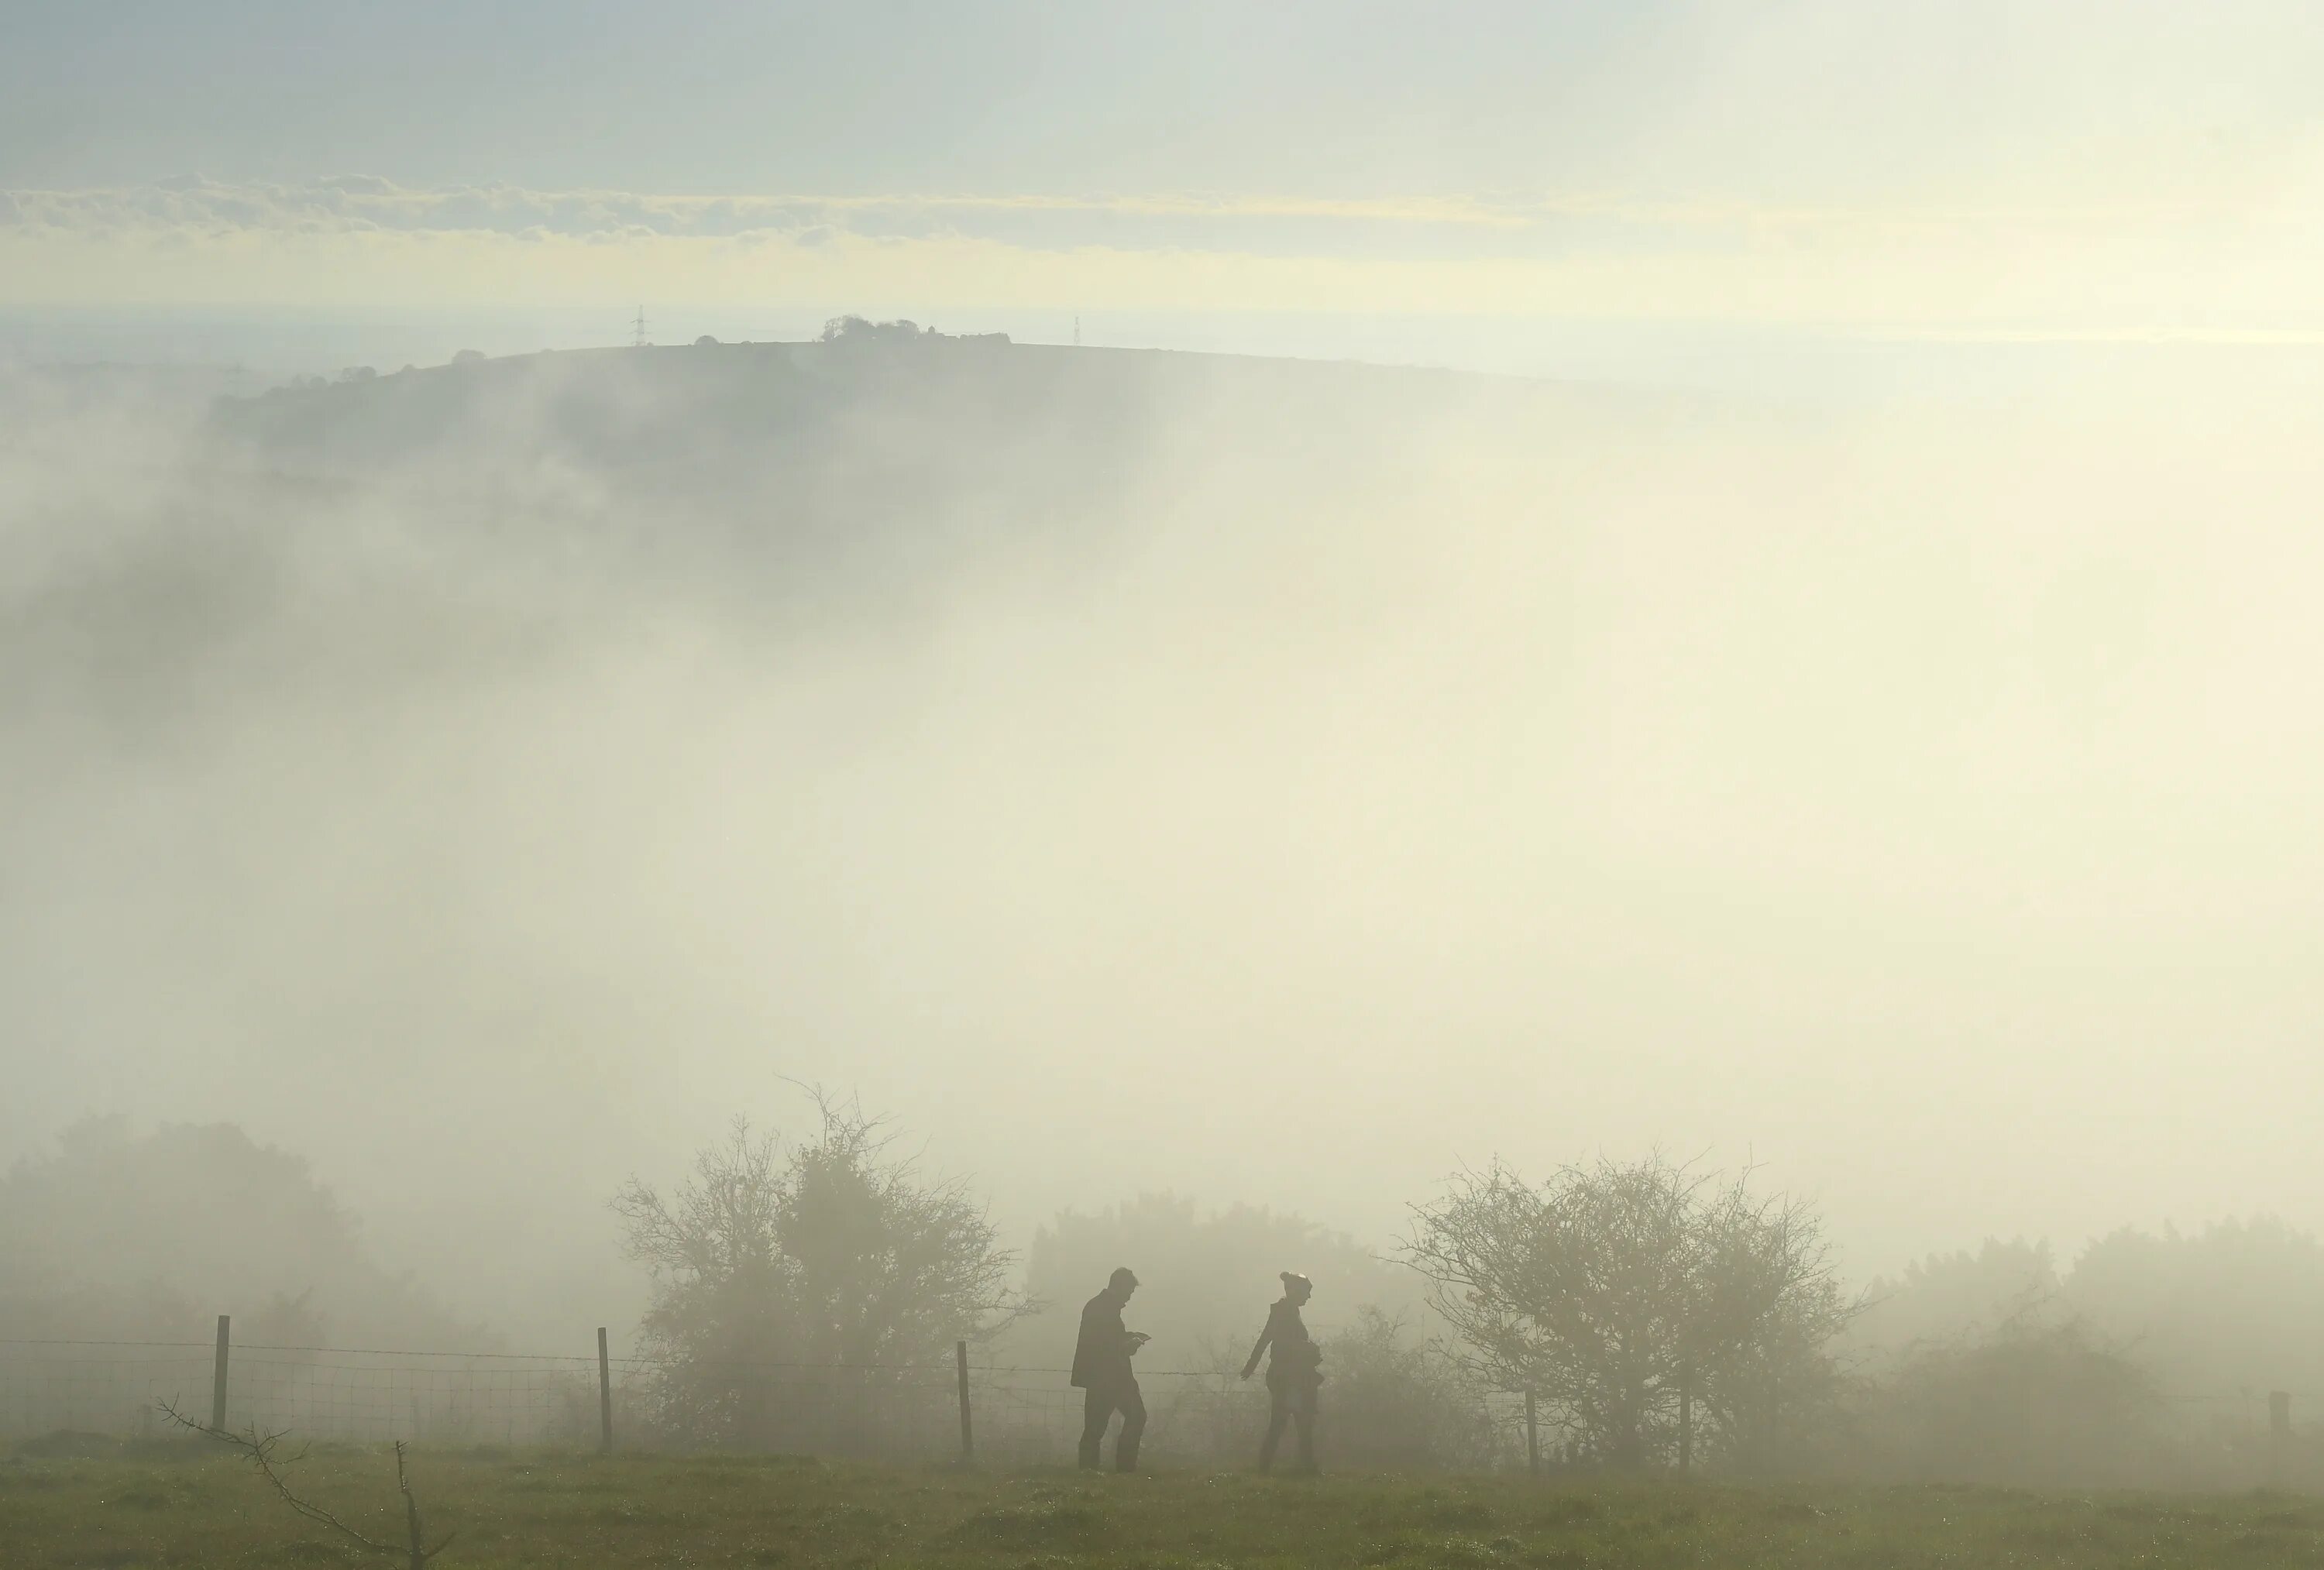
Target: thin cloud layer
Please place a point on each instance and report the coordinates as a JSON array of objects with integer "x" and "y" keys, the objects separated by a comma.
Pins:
[{"x": 2231, "y": 267}]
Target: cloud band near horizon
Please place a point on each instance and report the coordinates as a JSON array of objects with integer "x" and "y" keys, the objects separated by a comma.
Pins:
[{"x": 2239, "y": 273}]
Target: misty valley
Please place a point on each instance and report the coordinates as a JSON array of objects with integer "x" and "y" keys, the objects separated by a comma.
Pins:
[{"x": 662, "y": 925}]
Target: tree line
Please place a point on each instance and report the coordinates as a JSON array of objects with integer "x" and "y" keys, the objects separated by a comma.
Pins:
[{"x": 1649, "y": 1307}]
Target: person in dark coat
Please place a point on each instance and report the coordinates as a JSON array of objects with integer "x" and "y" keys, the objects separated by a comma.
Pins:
[
  {"x": 1102, "y": 1370},
  {"x": 1295, "y": 1371}
]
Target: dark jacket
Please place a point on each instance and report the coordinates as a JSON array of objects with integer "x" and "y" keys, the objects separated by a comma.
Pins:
[
  {"x": 1294, "y": 1360},
  {"x": 1101, "y": 1355}
]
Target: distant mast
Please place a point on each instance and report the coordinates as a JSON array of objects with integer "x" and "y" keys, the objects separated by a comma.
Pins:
[
  {"x": 1077, "y": 332},
  {"x": 639, "y": 342}
]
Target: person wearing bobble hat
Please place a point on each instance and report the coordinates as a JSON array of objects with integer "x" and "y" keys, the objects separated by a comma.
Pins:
[{"x": 1295, "y": 1370}]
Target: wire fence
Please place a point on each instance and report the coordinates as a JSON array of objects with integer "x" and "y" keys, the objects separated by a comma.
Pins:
[
  {"x": 336, "y": 1394},
  {"x": 1009, "y": 1414},
  {"x": 1006, "y": 1414}
]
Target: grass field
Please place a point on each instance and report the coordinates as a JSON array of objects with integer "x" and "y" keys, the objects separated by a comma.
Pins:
[{"x": 91, "y": 1503}]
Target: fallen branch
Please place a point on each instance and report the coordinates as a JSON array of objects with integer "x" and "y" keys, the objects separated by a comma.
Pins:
[{"x": 264, "y": 1452}]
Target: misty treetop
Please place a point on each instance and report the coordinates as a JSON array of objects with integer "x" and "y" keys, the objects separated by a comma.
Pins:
[
  {"x": 2232, "y": 1305},
  {"x": 855, "y": 332},
  {"x": 1623, "y": 1293},
  {"x": 829, "y": 1253},
  {"x": 152, "y": 1235}
]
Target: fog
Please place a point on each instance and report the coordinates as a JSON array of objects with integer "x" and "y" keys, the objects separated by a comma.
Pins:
[{"x": 1277, "y": 782}]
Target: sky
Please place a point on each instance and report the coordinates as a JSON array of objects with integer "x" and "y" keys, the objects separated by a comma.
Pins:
[{"x": 1957, "y": 169}]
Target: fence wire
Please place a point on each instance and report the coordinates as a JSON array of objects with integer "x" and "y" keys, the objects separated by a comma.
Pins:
[{"x": 1020, "y": 1415}]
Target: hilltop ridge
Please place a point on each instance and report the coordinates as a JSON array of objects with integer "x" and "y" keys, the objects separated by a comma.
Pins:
[{"x": 776, "y": 406}]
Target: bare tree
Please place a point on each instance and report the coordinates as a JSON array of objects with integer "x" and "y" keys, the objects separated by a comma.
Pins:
[
  {"x": 832, "y": 1257},
  {"x": 1616, "y": 1292},
  {"x": 264, "y": 1451}
]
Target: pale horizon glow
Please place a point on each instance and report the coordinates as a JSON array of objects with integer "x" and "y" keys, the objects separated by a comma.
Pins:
[{"x": 2124, "y": 273}]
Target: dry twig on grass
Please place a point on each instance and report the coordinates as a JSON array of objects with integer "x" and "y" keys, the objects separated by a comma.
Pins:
[{"x": 264, "y": 1452}]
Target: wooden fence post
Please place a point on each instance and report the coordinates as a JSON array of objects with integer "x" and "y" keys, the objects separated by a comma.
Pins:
[
  {"x": 604, "y": 1396},
  {"x": 967, "y": 1434},
  {"x": 1533, "y": 1436},
  {"x": 218, "y": 1373}
]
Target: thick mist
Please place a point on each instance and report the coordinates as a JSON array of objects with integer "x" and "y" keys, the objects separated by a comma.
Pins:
[{"x": 1274, "y": 783}]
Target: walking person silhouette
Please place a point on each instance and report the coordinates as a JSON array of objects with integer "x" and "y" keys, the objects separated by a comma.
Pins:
[
  {"x": 1102, "y": 1370},
  {"x": 1295, "y": 1370}
]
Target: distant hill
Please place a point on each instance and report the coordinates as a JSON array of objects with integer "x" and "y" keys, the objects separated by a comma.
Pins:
[
  {"x": 35, "y": 399},
  {"x": 659, "y": 415},
  {"x": 792, "y": 467}
]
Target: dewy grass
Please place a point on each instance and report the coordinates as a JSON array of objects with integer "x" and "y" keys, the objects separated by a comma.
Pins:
[{"x": 75, "y": 1506}]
